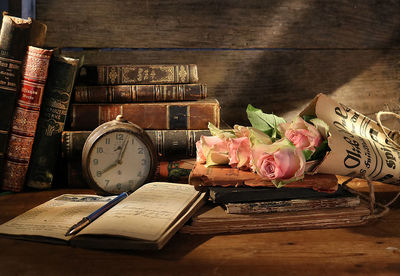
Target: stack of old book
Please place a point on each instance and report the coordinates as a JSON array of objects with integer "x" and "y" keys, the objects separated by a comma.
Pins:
[
  {"x": 242, "y": 201},
  {"x": 166, "y": 100}
]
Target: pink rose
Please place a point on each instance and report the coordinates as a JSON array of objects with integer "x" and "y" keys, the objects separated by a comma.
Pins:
[
  {"x": 200, "y": 157},
  {"x": 239, "y": 152},
  {"x": 212, "y": 150},
  {"x": 302, "y": 134},
  {"x": 280, "y": 162}
]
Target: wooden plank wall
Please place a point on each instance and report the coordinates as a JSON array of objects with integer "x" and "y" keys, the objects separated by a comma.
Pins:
[{"x": 275, "y": 54}]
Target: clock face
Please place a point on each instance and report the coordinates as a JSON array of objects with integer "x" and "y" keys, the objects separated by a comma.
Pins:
[{"x": 119, "y": 161}]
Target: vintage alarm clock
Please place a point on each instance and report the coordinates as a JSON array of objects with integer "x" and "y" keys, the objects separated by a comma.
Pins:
[{"x": 118, "y": 156}]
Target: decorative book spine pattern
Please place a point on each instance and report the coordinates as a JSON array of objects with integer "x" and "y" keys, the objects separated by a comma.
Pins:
[
  {"x": 25, "y": 118},
  {"x": 59, "y": 86},
  {"x": 140, "y": 93},
  {"x": 141, "y": 74},
  {"x": 14, "y": 36},
  {"x": 168, "y": 143},
  {"x": 162, "y": 115}
]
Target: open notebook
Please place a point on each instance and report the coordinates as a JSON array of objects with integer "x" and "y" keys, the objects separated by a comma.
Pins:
[{"x": 146, "y": 219}]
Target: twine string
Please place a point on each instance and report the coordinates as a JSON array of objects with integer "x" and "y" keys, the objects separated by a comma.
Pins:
[
  {"x": 375, "y": 212},
  {"x": 384, "y": 129}
]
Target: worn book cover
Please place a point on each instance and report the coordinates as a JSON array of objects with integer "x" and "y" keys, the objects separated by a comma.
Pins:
[
  {"x": 159, "y": 115},
  {"x": 62, "y": 73},
  {"x": 25, "y": 118},
  {"x": 139, "y": 93},
  {"x": 226, "y": 176},
  {"x": 146, "y": 219},
  {"x": 212, "y": 219},
  {"x": 15, "y": 35},
  {"x": 292, "y": 205},
  {"x": 244, "y": 194},
  {"x": 139, "y": 74}
]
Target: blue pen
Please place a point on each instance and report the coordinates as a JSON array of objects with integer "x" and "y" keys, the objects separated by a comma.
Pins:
[{"x": 90, "y": 218}]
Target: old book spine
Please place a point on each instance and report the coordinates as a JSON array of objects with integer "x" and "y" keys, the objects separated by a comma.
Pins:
[
  {"x": 168, "y": 143},
  {"x": 140, "y": 74},
  {"x": 225, "y": 176},
  {"x": 293, "y": 205},
  {"x": 140, "y": 93},
  {"x": 25, "y": 118},
  {"x": 62, "y": 73},
  {"x": 14, "y": 37},
  {"x": 161, "y": 115}
]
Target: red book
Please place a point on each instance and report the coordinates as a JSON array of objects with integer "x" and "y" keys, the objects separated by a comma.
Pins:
[{"x": 25, "y": 118}]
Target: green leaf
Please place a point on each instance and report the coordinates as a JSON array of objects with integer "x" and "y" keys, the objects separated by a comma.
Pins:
[
  {"x": 320, "y": 151},
  {"x": 321, "y": 126},
  {"x": 308, "y": 118},
  {"x": 267, "y": 123},
  {"x": 220, "y": 133},
  {"x": 258, "y": 137},
  {"x": 279, "y": 183},
  {"x": 307, "y": 154}
]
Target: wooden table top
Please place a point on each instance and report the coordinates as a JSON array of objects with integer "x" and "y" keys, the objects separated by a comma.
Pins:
[{"x": 373, "y": 249}]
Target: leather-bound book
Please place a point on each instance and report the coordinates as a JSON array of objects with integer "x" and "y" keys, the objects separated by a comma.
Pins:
[
  {"x": 14, "y": 38},
  {"x": 15, "y": 35},
  {"x": 25, "y": 118},
  {"x": 160, "y": 115},
  {"x": 213, "y": 219},
  {"x": 168, "y": 143},
  {"x": 140, "y": 93},
  {"x": 62, "y": 73},
  {"x": 139, "y": 74}
]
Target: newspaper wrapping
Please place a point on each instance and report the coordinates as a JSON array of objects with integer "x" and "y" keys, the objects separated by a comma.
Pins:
[{"x": 359, "y": 146}]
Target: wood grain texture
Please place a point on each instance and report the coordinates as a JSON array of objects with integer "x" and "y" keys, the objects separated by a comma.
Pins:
[
  {"x": 281, "y": 82},
  {"x": 372, "y": 249},
  {"x": 221, "y": 24}
]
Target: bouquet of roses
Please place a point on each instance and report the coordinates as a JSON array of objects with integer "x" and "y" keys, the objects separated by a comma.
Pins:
[{"x": 271, "y": 147}]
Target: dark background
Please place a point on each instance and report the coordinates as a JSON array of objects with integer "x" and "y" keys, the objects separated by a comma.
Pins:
[{"x": 276, "y": 54}]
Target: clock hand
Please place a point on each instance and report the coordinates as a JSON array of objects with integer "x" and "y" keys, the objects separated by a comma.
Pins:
[
  {"x": 112, "y": 165},
  {"x": 121, "y": 153}
]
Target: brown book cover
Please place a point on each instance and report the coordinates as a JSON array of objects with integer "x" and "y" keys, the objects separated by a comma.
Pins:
[
  {"x": 202, "y": 176},
  {"x": 168, "y": 143},
  {"x": 25, "y": 118},
  {"x": 161, "y": 115},
  {"x": 140, "y": 93},
  {"x": 213, "y": 219},
  {"x": 139, "y": 74}
]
